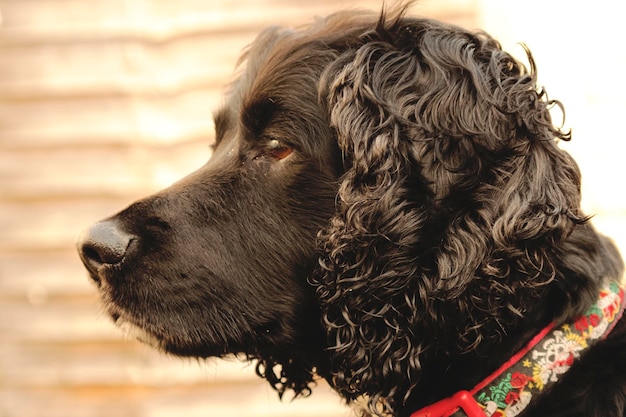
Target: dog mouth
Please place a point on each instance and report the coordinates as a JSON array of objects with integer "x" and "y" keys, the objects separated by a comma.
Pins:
[
  {"x": 130, "y": 327},
  {"x": 161, "y": 335},
  {"x": 124, "y": 321}
]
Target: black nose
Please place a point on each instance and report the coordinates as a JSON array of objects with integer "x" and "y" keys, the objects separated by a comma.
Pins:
[{"x": 104, "y": 243}]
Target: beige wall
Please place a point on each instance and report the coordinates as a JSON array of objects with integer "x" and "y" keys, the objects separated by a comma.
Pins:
[{"x": 580, "y": 52}]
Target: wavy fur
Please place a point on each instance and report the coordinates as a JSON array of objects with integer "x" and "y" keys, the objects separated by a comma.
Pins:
[{"x": 454, "y": 203}]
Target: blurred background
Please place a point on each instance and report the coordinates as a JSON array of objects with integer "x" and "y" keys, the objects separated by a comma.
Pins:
[{"x": 105, "y": 101}]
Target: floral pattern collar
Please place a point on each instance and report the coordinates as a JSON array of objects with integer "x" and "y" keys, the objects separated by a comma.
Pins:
[{"x": 509, "y": 390}]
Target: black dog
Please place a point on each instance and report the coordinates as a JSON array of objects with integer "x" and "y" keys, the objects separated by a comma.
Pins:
[{"x": 386, "y": 208}]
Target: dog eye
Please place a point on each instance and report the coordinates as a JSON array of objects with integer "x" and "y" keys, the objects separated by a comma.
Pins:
[{"x": 278, "y": 150}]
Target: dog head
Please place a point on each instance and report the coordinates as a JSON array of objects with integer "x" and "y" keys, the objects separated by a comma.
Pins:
[{"x": 386, "y": 194}]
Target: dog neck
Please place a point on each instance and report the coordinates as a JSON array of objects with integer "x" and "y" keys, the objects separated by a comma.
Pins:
[{"x": 538, "y": 365}]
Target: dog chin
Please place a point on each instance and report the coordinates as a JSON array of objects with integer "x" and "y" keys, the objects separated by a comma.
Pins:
[{"x": 134, "y": 331}]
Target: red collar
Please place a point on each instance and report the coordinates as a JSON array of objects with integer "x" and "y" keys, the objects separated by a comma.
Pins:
[{"x": 509, "y": 390}]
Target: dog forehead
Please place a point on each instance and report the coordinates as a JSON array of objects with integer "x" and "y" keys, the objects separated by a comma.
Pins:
[
  {"x": 279, "y": 73},
  {"x": 257, "y": 55},
  {"x": 279, "y": 54}
]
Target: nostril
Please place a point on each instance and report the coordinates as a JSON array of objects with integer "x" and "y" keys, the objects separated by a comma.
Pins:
[
  {"x": 104, "y": 254},
  {"x": 92, "y": 254},
  {"x": 104, "y": 243}
]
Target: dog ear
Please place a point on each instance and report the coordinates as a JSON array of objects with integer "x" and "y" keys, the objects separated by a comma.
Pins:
[{"x": 454, "y": 198}]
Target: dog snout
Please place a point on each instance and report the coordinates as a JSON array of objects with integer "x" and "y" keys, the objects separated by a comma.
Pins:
[{"x": 104, "y": 243}]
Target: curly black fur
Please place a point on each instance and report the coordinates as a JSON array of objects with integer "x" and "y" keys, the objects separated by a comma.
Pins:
[
  {"x": 387, "y": 207},
  {"x": 470, "y": 249}
]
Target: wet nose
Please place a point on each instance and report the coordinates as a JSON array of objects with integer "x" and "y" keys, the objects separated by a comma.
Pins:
[{"x": 104, "y": 243}]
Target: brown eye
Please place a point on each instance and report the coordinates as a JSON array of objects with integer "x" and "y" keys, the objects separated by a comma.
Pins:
[{"x": 278, "y": 150}]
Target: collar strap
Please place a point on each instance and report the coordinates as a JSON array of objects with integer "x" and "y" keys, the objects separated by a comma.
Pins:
[{"x": 508, "y": 391}]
